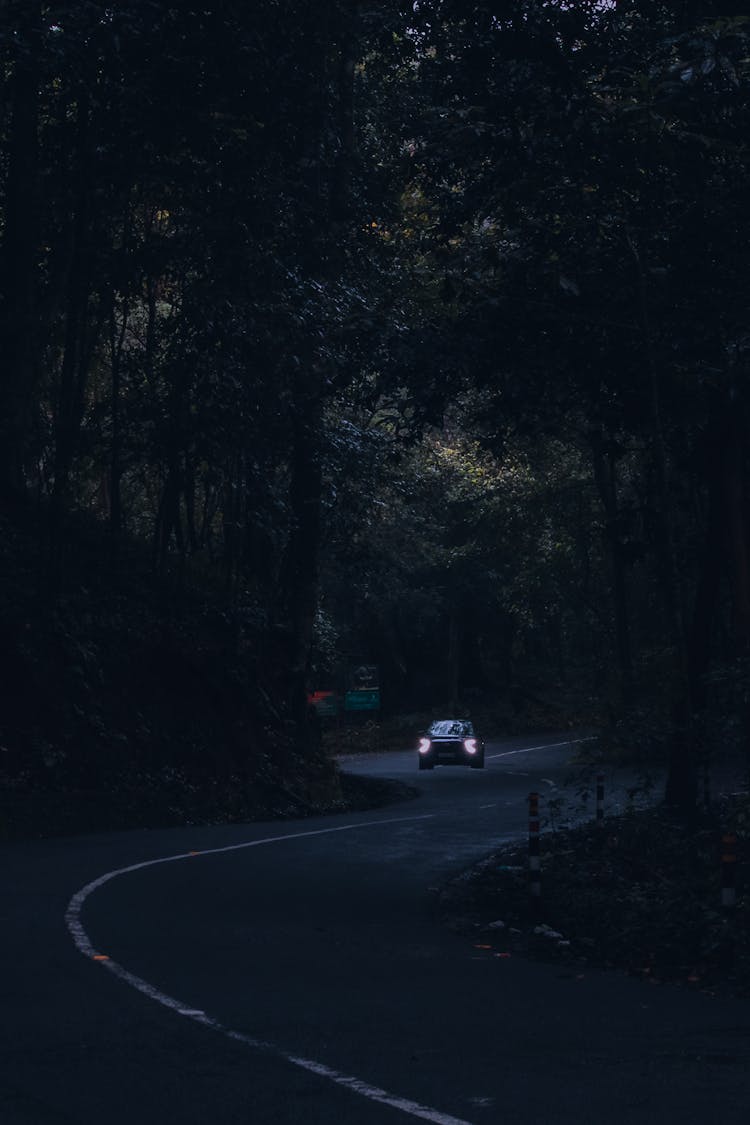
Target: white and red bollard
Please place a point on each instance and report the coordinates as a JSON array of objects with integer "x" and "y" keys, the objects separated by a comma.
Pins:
[
  {"x": 728, "y": 868},
  {"x": 600, "y": 800},
  {"x": 535, "y": 862}
]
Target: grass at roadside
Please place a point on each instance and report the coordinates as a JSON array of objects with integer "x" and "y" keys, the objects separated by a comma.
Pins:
[
  {"x": 643, "y": 894},
  {"x": 372, "y": 736},
  {"x": 177, "y": 800}
]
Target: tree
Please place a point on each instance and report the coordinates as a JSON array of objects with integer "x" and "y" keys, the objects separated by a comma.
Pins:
[
  {"x": 19, "y": 248},
  {"x": 563, "y": 159}
]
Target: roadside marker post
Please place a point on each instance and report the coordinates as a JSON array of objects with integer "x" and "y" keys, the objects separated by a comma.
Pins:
[
  {"x": 600, "y": 800},
  {"x": 728, "y": 868},
  {"x": 535, "y": 863}
]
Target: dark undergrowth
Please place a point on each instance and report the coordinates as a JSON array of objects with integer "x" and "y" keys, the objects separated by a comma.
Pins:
[
  {"x": 135, "y": 700},
  {"x": 173, "y": 799},
  {"x": 641, "y": 895}
]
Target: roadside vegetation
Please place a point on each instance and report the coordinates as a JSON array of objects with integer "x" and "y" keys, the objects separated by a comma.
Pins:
[
  {"x": 413, "y": 336},
  {"x": 642, "y": 893}
]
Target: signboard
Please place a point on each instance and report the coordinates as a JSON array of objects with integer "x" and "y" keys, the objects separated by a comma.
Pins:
[
  {"x": 325, "y": 702},
  {"x": 362, "y": 699}
]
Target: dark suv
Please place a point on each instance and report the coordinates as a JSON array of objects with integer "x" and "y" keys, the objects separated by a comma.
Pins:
[{"x": 451, "y": 742}]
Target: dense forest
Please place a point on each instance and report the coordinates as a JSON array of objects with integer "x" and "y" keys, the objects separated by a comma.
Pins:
[{"x": 413, "y": 334}]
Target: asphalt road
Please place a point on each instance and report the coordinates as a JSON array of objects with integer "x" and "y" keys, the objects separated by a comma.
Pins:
[{"x": 296, "y": 972}]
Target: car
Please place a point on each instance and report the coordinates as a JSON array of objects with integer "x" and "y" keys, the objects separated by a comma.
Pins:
[{"x": 451, "y": 742}]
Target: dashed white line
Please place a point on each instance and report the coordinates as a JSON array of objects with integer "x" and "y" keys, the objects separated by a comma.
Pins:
[
  {"x": 546, "y": 746},
  {"x": 179, "y": 1007}
]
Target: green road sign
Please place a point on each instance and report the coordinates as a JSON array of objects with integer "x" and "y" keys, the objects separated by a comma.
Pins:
[{"x": 364, "y": 699}]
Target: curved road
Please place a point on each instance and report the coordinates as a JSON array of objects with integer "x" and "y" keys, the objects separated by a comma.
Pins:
[{"x": 295, "y": 972}]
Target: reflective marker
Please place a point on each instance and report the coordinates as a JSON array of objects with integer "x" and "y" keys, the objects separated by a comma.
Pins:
[
  {"x": 600, "y": 800},
  {"x": 728, "y": 861},
  {"x": 535, "y": 885}
]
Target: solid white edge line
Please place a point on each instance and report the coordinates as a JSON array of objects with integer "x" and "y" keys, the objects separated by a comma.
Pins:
[
  {"x": 546, "y": 746},
  {"x": 179, "y": 1007},
  {"x": 72, "y": 914}
]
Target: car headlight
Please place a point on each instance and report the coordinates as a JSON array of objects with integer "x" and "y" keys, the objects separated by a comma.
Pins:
[
  {"x": 470, "y": 745},
  {"x": 424, "y": 745}
]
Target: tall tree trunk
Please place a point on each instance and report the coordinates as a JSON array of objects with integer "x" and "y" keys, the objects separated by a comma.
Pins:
[
  {"x": 707, "y": 588},
  {"x": 300, "y": 574},
  {"x": 454, "y": 657},
  {"x": 735, "y": 491},
  {"x": 117, "y": 336},
  {"x": 681, "y": 785},
  {"x": 705, "y": 604},
  {"x": 340, "y": 194},
  {"x": 233, "y": 490},
  {"x": 726, "y": 550},
  {"x": 735, "y": 500},
  {"x": 605, "y": 474},
  {"x": 18, "y": 258},
  {"x": 73, "y": 371},
  {"x": 116, "y": 346},
  {"x": 332, "y": 201},
  {"x": 169, "y": 518}
]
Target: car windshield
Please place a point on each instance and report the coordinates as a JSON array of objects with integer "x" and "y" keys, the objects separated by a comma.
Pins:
[{"x": 457, "y": 728}]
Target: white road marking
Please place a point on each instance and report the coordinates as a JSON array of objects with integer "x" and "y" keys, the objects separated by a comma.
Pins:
[
  {"x": 356, "y": 1085},
  {"x": 546, "y": 746},
  {"x": 549, "y": 781},
  {"x": 488, "y": 806}
]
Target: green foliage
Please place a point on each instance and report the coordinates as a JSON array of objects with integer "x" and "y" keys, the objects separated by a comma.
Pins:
[
  {"x": 576, "y": 180},
  {"x": 427, "y": 323},
  {"x": 449, "y": 536},
  {"x": 643, "y": 895}
]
